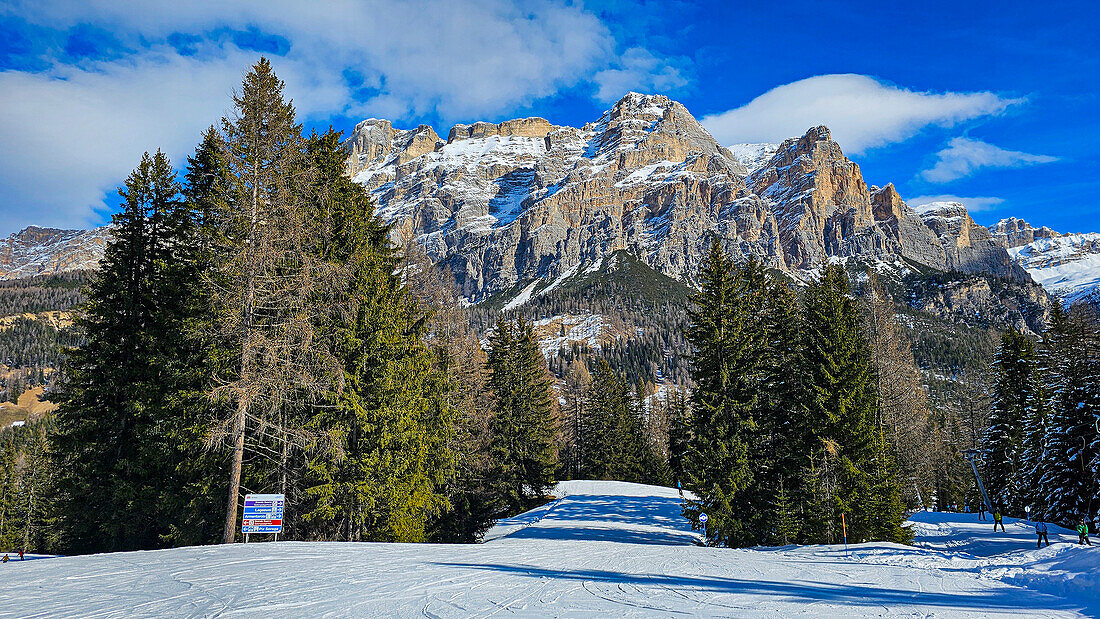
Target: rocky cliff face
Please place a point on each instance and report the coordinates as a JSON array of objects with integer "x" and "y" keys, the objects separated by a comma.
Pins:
[
  {"x": 39, "y": 251},
  {"x": 968, "y": 247},
  {"x": 525, "y": 199}
]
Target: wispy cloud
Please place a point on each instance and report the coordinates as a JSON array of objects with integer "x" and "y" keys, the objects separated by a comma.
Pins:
[
  {"x": 965, "y": 156},
  {"x": 861, "y": 111},
  {"x": 974, "y": 204},
  {"x": 638, "y": 69},
  {"x": 74, "y": 127}
]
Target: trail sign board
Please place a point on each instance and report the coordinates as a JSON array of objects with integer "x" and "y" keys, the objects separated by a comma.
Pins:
[
  {"x": 703, "y": 518},
  {"x": 263, "y": 513}
]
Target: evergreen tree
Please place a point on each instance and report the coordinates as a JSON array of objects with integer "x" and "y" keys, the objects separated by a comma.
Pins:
[
  {"x": 1013, "y": 395},
  {"x": 522, "y": 426},
  {"x": 1029, "y": 477},
  {"x": 728, "y": 337},
  {"x": 786, "y": 518},
  {"x": 381, "y": 457},
  {"x": 679, "y": 435},
  {"x": 785, "y": 443},
  {"x": 117, "y": 407},
  {"x": 842, "y": 415},
  {"x": 1073, "y": 353},
  {"x": 619, "y": 447},
  {"x": 193, "y": 498}
]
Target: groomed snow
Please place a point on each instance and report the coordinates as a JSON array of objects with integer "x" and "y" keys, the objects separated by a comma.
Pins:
[{"x": 603, "y": 549}]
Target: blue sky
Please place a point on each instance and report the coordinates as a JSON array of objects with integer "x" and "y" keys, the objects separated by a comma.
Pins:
[{"x": 995, "y": 104}]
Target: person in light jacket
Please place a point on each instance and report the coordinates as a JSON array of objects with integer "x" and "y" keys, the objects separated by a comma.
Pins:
[{"x": 1041, "y": 531}]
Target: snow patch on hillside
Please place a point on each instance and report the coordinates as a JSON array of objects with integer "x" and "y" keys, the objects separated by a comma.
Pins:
[
  {"x": 753, "y": 156},
  {"x": 560, "y": 332}
]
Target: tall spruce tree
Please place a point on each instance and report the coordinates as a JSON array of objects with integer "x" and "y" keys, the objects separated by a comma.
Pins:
[
  {"x": 859, "y": 480},
  {"x": 521, "y": 448},
  {"x": 113, "y": 443},
  {"x": 1013, "y": 396},
  {"x": 728, "y": 338},
  {"x": 194, "y": 499}
]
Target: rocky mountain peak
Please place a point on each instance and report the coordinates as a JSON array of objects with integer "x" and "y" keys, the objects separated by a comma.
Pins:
[
  {"x": 886, "y": 203},
  {"x": 376, "y": 142},
  {"x": 645, "y": 129},
  {"x": 1016, "y": 232}
]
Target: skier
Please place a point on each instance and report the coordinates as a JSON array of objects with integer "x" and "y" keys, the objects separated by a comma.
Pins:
[
  {"x": 1083, "y": 532},
  {"x": 998, "y": 520},
  {"x": 21, "y": 555},
  {"x": 1041, "y": 531},
  {"x": 981, "y": 511},
  {"x": 680, "y": 490}
]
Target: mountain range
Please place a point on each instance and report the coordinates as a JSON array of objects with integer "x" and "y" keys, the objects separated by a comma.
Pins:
[{"x": 528, "y": 203}]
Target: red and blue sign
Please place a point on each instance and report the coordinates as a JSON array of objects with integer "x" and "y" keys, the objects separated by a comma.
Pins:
[{"x": 263, "y": 513}]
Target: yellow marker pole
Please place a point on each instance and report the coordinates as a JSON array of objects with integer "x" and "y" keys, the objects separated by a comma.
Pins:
[{"x": 844, "y": 527}]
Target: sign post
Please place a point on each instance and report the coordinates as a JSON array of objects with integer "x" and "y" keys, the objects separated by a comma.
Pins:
[
  {"x": 703, "y": 521},
  {"x": 263, "y": 513}
]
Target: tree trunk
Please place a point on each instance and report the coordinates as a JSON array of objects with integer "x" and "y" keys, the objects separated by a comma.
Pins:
[{"x": 230, "y": 534}]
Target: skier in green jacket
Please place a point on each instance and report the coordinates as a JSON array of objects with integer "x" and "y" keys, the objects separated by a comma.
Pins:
[
  {"x": 1083, "y": 532},
  {"x": 998, "y": 520}
]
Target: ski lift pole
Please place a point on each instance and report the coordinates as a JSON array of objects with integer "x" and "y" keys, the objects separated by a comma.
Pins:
[{"x": 972, "y": 455}]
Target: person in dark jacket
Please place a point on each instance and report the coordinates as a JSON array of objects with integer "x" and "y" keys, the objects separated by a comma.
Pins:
[{"x": 1041, "y": 531}]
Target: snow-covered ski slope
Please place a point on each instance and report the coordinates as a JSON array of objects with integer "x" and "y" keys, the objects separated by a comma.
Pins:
[{"x": 604, "y": 549}]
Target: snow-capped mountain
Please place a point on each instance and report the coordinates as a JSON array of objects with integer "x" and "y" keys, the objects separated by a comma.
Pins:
[
  {"x": 40, "y": 251},
  {"x": 506, "y": 204},
  {"x": 1067, "y": 265},
  {"x": 525, "y": 199}
]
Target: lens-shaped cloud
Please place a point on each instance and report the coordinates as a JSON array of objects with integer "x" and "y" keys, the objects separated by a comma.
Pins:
[{"x": 861, "y": 111}]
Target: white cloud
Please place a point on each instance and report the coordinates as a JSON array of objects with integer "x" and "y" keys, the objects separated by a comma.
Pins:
[
  {"x": 456, "y": 59},
  {"x": 965, "y": 156},
  {"x": 974, "y": 204},
  {"x": 861, "y": 112},
  {"x": 637, "y": 70},
  {"x": 73, "y": 132}
]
